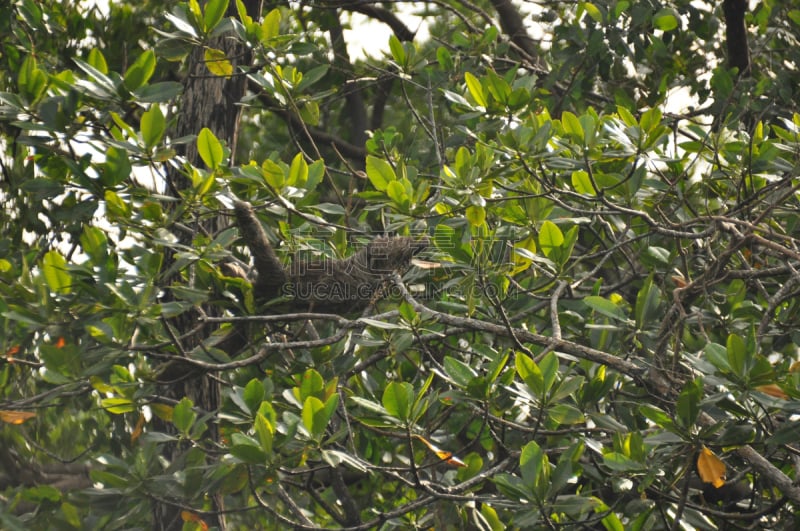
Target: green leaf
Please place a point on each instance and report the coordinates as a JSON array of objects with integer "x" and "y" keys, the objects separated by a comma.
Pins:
[
  {"x": 550, "y": 238},
  {"x": 444, "y": 58},
  {"x": 460, "y": 372},
  {"x": 721, "y": 82},
  {"x": 593, "y": 11},
  {"x": 31, "y": 80},
  {"x": 271, "y": 25},
  {"x": 116, "y": 168},
  {"x": 397, "y": 193},
  {"x": 164, "y": 91},
  {"x": 95, "y": 244},
  {"x": 311, "y": 407},
  {"x": 420, "y": 405},
  {"x": 582, "y": 183},
  {"x": 565, "y": 414},
  {"x": 408, "y": 312},
  {"x": 54, "y": 269},
  {"x": 605, "y": 307},
  {"x": 380, "y": 173},
  {"x": 718, "y": 356},
  {"x": 622, "y": 463},
  {"x": 397, "y": 50},
  {"x": 397, "y": 399},
  {"x": 217, "y": 63},
  {"x": 311, "y": 384},
  {"x": 273, "y": 174},
  {"x": 657, "y": 416},
  {"x": 475, "y": 89},
  {"x": 316, "y": 172},
  {"x": 209, "y": 148},
  {"x": 183, "y": 416},
  {"x": 530, "y": 373},
  {"x": 214, "y": 11},
  {"x": 247, "y": 449},
  {"x": 688, "y": 406},
  {"x": 118, "y": 406},
  {"x": 309, "y": 112},
  {"x": 312, "y": 76},
  {"x": 490, "y": 517},
  {"x": 572, "y": 126},
  {"x": 549, "y": 367},
  {"x": 476, "y": 215},
  {"x": 534, "y": 465},
  {"x": 253, "y": 394},
  {"x": 739, "y": 356},
  {"x": 513, "y": 487},
  {"x": 115, "y": 206},
  {"x": 648, "y": 300},
  {"x": 317, "y": 414},
  {"x": 665, "y": 20},
  {"x": 265, "y": 432},
  {"x": 152, "y": 126},
  {"x": 498, "y": 87},
  {"x": 651, "y": 119},
  {"x": 140, "y": 71},
  {"x": 97, "y": 60}
]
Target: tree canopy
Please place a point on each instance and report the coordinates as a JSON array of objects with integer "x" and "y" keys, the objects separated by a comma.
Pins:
[{"x": 552, "y": 255}]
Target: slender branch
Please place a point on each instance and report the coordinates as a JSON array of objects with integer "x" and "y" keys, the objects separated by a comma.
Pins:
[{"x": 627, "y": 368}]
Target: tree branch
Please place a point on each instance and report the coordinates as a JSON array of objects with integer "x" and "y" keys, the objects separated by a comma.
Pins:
[{"x": 736, "y": 35}]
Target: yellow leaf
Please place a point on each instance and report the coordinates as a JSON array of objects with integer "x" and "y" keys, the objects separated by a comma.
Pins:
[
  {"x": 773, "y": 390},
  {"x": 710, "y": 468},
  {"x": 188, "y": 516},
  {"x": 444, "y": 455},
  {"x": 217, "y": 63},
  {"x": 16, "y": 417},
  {"x": 137, "y": 431},
  {"x": 162, "y": 411}
]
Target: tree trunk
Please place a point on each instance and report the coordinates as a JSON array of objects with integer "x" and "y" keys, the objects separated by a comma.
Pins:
[{"x": 208, "y": 101}]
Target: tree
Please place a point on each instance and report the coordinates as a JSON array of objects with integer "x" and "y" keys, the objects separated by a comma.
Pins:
[{"x": 551, "y": 297}]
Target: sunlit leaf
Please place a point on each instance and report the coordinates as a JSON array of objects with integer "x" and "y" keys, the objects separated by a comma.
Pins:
[
  {"x": 271, "y": 25},
  {"x": 141, "y": 70},
  {"x": 475, "y": 89},
  {"x": 217, "y": 63},
  {"x": 152, "y": 126},
  {"x": 550, "y": 238},
  {"x": 209, "y": 148},
  {"x": 380, "y": 173},
  {"x": 183, "y": 416},
  {"x": 54, "y": 268},
  {"x": 214, "y": 10}
]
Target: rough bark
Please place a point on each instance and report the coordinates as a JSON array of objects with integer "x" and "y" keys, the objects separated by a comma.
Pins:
[
  {"x": 736, "y": 35},
  {"x": 208, "y": 101},
  {"x": 511, "y": 22}
]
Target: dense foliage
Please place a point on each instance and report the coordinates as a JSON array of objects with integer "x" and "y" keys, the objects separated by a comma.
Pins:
[{"x": 600, "y": 333}]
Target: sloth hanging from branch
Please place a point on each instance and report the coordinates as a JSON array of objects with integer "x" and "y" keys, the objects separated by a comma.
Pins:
[{"x": 324, "y": 285}]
